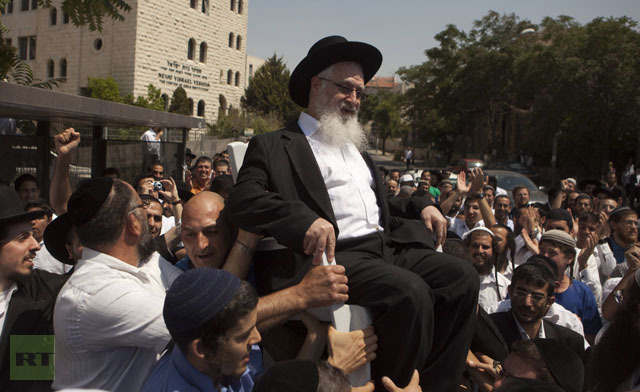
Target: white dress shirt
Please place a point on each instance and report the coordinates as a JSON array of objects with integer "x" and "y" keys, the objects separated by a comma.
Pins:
[
  {"x": 460, "y": 227},
  {"x": 589, "y": 276},
  {"x": 150, "y": 143},
  {"x": 5, "y": 299},
  {"x": 45, "y": 261},
  {"x": 488, "y": 297},
  {"x": 523, "y": 334},
  {"x": 108, "y": 322},
  {"x": 349, "y": 183}
]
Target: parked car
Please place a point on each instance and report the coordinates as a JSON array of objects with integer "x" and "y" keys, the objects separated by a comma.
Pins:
[
  {"x": 508, "y": 180},
  {"x": 511, "y": 166},
  {"x": 465, "y": 165}
]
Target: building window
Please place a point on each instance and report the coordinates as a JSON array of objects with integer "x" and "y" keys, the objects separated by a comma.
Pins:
[
  {"x": 65, "y": 17},
  {"x": 233, "y": 5},
  {"x": 53, "y": 16},
  {"x": 240, "y": 7},
  {"x": 32, "y": 47},
  {"x": 205, "y": 6},
  {"x": 10, "y": 7},
  {"x": 24, "y": 5},
  {"x": 7, "y": 41},
  {"x": 201, "y": 108},
  {"x": 34, "y": 4},
  {"x": 231, "y": 40},
  {"x": 98, "y": 44},
  {"x": 193, "y": 3},
  {"x": 229, "y": 76},
  {"x": 63, "y": 68},
  {"x": 165, "y": 98},
  {"x": 237, "y": 79},
  {"x": 23, "y": 43},
  {"x": 203, "y": 52},
  {"x": 190, "y": 107},
  {"x": 191, "y": 49},
  {"x": 50, "y": 69},
  {"x": 238, "y": 42}
]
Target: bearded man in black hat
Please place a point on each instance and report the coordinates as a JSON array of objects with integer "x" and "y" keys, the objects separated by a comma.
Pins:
[
  {"x": 313, "y": 187},
  {"x": 27, "y": 296}
]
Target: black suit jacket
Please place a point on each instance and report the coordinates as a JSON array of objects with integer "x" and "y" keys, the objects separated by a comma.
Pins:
[
  {"x": 509, "y": 330},
  {"x": 280, "y": 192},
  {"x": 30, "y": 312}
]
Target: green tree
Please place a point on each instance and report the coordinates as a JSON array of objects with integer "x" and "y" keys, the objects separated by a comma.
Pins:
[
  {"x": 106, "y": 89},
  {"x": 180, "y": 102},
  {"x": 268, "y": 92},
  {"x": 153, "y": 100},
  {"x": 384, "y": 110}
]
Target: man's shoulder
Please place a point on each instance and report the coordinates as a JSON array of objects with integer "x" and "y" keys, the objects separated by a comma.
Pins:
[
  {"x": 501, "y": 318},
  {"x": 291, "y": 130},
  {"x": 42, "y": 284}
]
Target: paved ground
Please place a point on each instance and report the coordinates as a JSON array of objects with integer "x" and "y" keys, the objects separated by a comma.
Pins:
[{"x": 388, "y": 162}]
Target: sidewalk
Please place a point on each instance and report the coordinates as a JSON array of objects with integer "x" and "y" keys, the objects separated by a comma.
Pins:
[{"x": 388, "y": 162}]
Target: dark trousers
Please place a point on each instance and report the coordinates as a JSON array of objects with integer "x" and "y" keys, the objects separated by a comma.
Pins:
[{"x": 423, "y": 305}]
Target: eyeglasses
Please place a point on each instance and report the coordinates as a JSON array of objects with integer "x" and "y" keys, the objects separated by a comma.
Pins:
[
  {"x": 523, "y": 294},
  {"x": 346, "y": 90}
]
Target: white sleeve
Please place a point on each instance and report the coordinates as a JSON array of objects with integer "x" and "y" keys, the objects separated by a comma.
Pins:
[{"x": 591, "y": 278}]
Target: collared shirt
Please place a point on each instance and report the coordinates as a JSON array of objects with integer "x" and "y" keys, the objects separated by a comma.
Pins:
[
  {"x": 618, "y": 250},
  {"x": 605, "y": 260},
  {"x": 5, "y": 299},
  {"x": 45, "y": 261},
  {"x": 490, "y": 293},
  {"x": 460, "y": 227},
  {"x": 174, "y": 373},
  {"x": 523, "y": 334},
  {"x": 349, "y": 183},
  {"x": 589, "y": 276},
  {"x": 108, "y": 322},
  {"x": 151, "y": 144}
]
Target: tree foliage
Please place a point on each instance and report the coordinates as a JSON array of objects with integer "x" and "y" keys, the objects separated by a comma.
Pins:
[
  {"x": 180, "y": 102},
  {"x": 268, "y": 92},
  {"x": 510, "y": 85},
  {"x": 385, "y": 111},
  {"x": 106, "y": 89}
]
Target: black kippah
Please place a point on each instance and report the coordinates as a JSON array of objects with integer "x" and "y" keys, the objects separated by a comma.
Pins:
[
  {"x": 86, "y": 201},
  {"x": 544, "y": 263}
]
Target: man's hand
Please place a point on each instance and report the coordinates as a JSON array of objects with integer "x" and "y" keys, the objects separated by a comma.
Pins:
[
  {"x": 435, "y": 222},
  {"x": 350, "y": 350},
  {"x": 585, "y": 253},
  {"x": 531, "y": 244},
  {"x": 170, "y": 192},
  {"x": 632, "y": 256},
  {"x": 323, "y": 286},
  {"x": 461, "y": 184},
  {"x": 564, "y": 185},
  {"x": 67, "y": 141},
  {"x": 320, "y": 238},
  {"x": 477, "y": 180},
  {"x": 414, "y": 384}
]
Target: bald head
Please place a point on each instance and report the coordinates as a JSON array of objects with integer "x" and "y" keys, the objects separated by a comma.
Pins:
[{"x": 206, "y": 237}]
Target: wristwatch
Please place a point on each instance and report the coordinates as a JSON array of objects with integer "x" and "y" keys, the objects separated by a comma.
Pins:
[
  {"x": 480, "y": 195},
  {"x": 617, "y": 296}
]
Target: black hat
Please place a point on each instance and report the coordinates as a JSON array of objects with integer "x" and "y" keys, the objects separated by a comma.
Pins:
[
  {"x": 545, "y": 263},
  {"x": 326, "y": 52},
  {"x": 289, "y": 376},
  {"x": 563, "y": 363},
  {"x": 85, "y": 202},
  {"x": 560, "y": 214},
  {"x": 11, "y": 208},
  {"x": 188, "y": 153},
  {"x": 55, "y": 238},
  {"x": 583, "y": 184}
]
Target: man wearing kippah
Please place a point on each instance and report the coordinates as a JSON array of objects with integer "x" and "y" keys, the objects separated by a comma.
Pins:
[
  {"x": 211, "y": 315},
  {"x": 27, "y": 296},
  {"x": 315, "y": 190},
  {"x": 572, "y": 294},
  {"x": 108, "y": 317}
]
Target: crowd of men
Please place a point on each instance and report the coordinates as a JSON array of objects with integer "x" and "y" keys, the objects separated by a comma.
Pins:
[{"x": 197, "y": 282}]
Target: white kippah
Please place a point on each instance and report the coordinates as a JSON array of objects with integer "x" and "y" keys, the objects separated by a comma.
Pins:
[{"x": 481, "y": 228}]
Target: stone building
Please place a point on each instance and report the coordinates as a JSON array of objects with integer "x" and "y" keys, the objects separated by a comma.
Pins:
[{"x": 197, "y": 44}]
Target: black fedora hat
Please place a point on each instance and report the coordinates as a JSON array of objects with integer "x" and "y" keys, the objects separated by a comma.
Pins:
[
  {"x": 55, "y": 238},
  {"x": 11, "y": 208},
  {"x": 326, "y": 52}
]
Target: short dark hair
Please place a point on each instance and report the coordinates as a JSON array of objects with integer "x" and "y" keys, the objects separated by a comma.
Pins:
[
  {"x": 222, "y": 184},
  {"x": 517, "y": 188},
  {"x": 17, "y": 184},
  {"x": 107, "y": 225},
  {"x": 528, "y": 352},
  {"x": 40, "y": 204},
  {"x": 502, "y": 196},
  {"x": 222, "y": 162},
  {"x": 213, "y": 331},
  {"x": 534, "y": 274},
  {"x": 111, "y": 171},
  {"x": 145, "y": 197},
  {"x": 203, "y": 158},
  {"x": 588, "y": 217},
  {"x": 472, "y": 198},
  {"x": 331, "y": 379}
]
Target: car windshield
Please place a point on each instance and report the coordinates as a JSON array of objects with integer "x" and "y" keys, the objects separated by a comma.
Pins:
[{"x": 508, "y": 182}]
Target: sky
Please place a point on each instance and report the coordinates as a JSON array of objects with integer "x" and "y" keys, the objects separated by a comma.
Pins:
[{"x": 401, "y": 30}]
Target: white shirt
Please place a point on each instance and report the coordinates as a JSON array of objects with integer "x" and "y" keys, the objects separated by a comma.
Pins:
[
  {"x": 522, "y": 253},
  {"x": 167, "y": 224},
  {"x": 589, "y": 276},
  {"x": 5, "y": 299},
  {"x": 151, "y": 144},
  {"x": 556, "y": 314},
  {"x": 605, "y": 259},
  {"x": 488, "y": 297},
  {"x": 108, "y": 322},
  {"x": 45, "y": 261},
  {"x": 348, "y": 181},
  {"x": 459, "y": 226},
  {"x": 523, "y": 334}
]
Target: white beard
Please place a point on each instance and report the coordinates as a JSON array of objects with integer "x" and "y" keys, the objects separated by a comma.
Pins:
[{"x": 335, "y": 130}]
